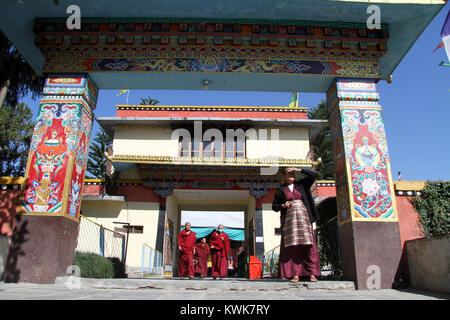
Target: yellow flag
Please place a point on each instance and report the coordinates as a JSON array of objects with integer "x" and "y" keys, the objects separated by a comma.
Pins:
[
  {"x": 122, "y": 92},
  {"x": 294, "y": 100}
]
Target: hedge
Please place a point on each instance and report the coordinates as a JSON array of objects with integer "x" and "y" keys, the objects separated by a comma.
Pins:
[
  {"x": 433, "y": 207},
  {"x": 327, "y": 209},
  {"x": 328, "y": 234},
  {"x": 94, "y": 266}
]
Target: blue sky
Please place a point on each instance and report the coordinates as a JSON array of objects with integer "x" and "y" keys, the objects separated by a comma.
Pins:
[{"x": 416, "y": 107}]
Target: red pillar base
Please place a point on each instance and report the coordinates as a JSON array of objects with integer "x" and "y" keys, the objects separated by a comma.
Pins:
[{"x": 42, "y": 248}]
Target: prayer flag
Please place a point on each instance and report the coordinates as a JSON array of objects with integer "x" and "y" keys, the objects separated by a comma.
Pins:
[
  {"x": 445, "y": 34},
  {"x": 294, "y": 100},
  {"x": 122, "y": 92}
]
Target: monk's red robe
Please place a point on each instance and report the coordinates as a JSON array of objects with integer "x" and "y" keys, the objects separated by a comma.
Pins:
[
  {"x": 220, "y": 248},
  {"x": 186, "y": 262},
  {"x": 201, "y": 255}
]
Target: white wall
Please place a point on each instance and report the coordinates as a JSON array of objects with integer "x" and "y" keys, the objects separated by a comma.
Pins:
[
  {"x": 144, "y": 140},
  {"x": 271, "y": 220},
  {"x": 136, "y": 213},
  {"x": 293, "y": 143}
]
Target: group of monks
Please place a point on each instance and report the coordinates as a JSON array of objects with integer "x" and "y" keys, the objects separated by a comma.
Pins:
[{"x": 194, "y": 257}]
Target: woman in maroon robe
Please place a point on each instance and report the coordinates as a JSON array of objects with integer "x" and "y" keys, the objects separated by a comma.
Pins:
[
  {"x": 186, "y": 245},
  {"x": 298, "y": 249},
  {"x": 220, "y": 247},
  {"x": 201, "y": 256}
]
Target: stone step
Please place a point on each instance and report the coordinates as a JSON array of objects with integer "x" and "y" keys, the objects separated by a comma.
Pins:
[{"x": 225, "y": 284}]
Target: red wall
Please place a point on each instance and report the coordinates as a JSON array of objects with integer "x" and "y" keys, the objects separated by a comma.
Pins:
[
  {"x": 132, "y": 193},
  {"x": 93, "y": 189},
  {"x": 137, "y": 193},
  {"x": 326, "y": 191},
  {"x": 268, "y": 198},
  {"x": 408, "y": 220},
  {"x": 8, "y": 203},
  {"x": 213, "y": 114}
]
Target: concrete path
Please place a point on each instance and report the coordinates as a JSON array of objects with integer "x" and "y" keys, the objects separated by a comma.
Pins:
[{"x": 174, "y": 289}]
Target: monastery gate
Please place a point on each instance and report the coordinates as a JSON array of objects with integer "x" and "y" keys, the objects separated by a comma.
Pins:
[{"x": 309, "y": 46}]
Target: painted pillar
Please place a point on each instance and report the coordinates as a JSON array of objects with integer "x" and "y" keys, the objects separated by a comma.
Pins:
[
  {"x": 368, "y": 220},
  {"x": 46, "y": 231}
]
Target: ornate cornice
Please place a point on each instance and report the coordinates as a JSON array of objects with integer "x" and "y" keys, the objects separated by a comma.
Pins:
[
  {"x": 11, "y": 183},
  {"x": 216, "y": 33},
  {"x": 409, "y": 188},
  {"x": 12, "y": 180},
  {"x": 119, "y": 182},
  {"x": 409, "y": 185},
  {"x": 212, "y": 161},
  {"x": 408, "y": 193},
  {"x": 205, "y": 45},
  {"x": 211, "y": 108},
  {"x": 325, "y": 183}
]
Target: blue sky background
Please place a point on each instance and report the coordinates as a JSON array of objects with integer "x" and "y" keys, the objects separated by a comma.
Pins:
[{"x": 416, "y": 106}]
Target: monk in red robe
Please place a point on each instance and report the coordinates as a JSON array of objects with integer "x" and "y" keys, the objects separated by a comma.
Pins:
[
  {"x": 220, "y": 248},
  {"x": 201, "y": 256},
  {"x": 186, "y": 245}
]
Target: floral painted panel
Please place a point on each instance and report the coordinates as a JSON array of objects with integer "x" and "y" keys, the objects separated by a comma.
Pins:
[{"x": 366, "y": 151}]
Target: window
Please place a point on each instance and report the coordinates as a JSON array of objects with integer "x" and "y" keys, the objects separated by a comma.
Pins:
[
  {"x": 212, "y": 149},
  {"x": 183, "y": 149},
  {"x": 239, "y": 147},
  {"x": 133, "y": 229},
  {"x": 235, "y": 148},
  {"x": 214, "y": 145},
  {"x": 196, "y": 148}
]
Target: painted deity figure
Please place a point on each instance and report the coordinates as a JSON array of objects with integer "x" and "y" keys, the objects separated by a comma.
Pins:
[{"x": 53, "y": 141}]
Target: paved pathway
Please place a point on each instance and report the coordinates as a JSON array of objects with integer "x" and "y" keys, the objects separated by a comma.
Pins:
[{"x": 174, "y": 289}]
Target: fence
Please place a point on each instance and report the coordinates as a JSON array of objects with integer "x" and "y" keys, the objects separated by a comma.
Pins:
[
  {"x": 95, "y": 238},
  {"x": 151, "y": 261},
  {"x": 328, "y": 245},
  {"x": 270, "y": 263}
]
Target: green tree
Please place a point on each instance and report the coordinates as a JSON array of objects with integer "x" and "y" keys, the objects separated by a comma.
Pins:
[
  {"x": 148, "y": 101},
  {"x": 322, "y": 146},
  {"x": 433, "y": 207},
  {"x": 96, "y": 165},
  {"x": 17, "y": 78},
  {"x": 16, "y": 130}
]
